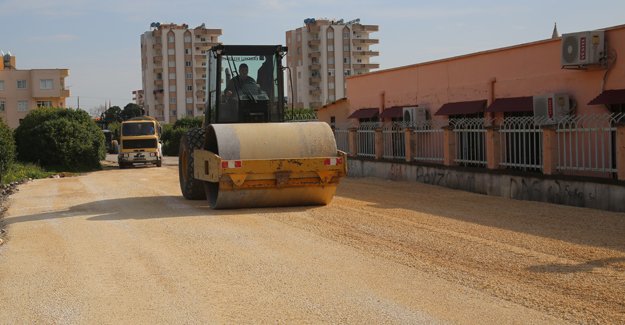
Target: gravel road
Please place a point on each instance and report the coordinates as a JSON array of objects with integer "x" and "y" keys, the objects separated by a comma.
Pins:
[{"x": 123, "y": 246}]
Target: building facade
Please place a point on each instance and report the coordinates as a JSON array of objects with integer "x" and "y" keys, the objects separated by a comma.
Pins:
[
  {"x": 137, "y": 96},
  {"x": 322, "y": 54},
  {"x": 22, "y": 91},
  {"x": 173, "y": 67}
]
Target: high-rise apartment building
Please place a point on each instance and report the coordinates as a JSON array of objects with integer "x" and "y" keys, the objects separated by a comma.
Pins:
[
  {"x": 173, "y": 67},
  {"x": 22, "y": 91},
  {"x": 322, "y": 53}
]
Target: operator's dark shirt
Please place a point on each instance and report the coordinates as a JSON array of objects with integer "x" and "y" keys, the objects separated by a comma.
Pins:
[{"x": 240, "y": 83}]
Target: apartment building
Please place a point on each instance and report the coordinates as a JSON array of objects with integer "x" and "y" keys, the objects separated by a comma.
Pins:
[
  {"x": 22, "y": 91},
  {"x": 324, "y": 52},
  {"x": 173, "y": 67},
  {"x": 138, "y": 98}
]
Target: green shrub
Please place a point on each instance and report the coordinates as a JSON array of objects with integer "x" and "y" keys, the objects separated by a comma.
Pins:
[
  {"x": 115, "y": 128},
  {"x": 189, "y": 122},
  {"x": 19, "y": 172},
  {"x": 7, "y": 148},
  {"x": 172, "y": 145},
  {"x": 60, "y": 138}
]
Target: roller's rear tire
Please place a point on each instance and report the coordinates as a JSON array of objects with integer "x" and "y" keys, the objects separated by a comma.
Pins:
[{"x": 192, "y": 189}]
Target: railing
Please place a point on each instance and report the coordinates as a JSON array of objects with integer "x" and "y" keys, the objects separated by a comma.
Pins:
[
  {"x": 429, "y": 141},
  {"x": 521, "y": 143},
  {"x": 394, "y": 141},
  {"x": 587, "y": 143},
  {"x": 342, "y": 139},
  {"x": 470, "y": 136},
  {"x": 365, "y": 139}
]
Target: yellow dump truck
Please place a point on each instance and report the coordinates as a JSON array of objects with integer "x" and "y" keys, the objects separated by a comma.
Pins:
[
  {"x": 246, "y": 155},
  {"x": 140, "y": 142}
]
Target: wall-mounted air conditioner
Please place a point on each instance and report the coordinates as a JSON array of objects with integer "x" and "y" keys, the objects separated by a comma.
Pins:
[
  {"x": 549, "y": 109},
  {"x": 415, "y": 114},
  {"x": 582, "y": 49}
]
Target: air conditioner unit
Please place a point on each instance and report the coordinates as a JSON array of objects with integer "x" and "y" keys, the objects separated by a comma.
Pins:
[
  {"x": 582, "y": 49},
  {"x": 549, "y": 109},
  {"x": 415, "y": 114}
]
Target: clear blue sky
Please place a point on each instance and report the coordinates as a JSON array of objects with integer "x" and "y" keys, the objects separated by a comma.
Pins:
[{"x": 99, "y": 40}]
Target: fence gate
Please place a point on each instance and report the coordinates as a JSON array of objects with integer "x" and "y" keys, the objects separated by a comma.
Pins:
[
  {"x": 587, "y": 143},
  {"x": 394, "y": 140},
  {"x": 470, "y": 136},
  {"x": 521, "y": 143}
]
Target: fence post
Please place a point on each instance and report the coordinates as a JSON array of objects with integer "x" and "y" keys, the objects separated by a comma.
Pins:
[
  {"x": 379, "y": 143},
  {"x": 620, "y": 151},
  {"x": 449, "y": 146},
  {"x": 550, "y": 150},
  {"x": 352, "y": 144},
  {"x": 493, "y": 149},
  {"x": 408, "y": 143}
]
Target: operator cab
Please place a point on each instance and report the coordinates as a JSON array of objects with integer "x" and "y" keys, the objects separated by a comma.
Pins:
[{"x": 245, "y": 84}]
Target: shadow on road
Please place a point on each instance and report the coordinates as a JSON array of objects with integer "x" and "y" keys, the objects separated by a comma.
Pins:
[
  {"x": 141, "y": 208},
  {"x": 570, "y": 224}
]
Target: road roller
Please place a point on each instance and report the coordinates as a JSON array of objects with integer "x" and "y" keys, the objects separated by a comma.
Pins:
[{"x": 247, "y": 154}]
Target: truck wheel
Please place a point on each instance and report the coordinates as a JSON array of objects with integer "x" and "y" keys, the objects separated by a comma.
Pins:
[{"x": 192, "y": 189}]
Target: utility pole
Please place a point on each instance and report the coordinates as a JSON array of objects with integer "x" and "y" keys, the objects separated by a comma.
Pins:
[{"x": 78, "y": 102}]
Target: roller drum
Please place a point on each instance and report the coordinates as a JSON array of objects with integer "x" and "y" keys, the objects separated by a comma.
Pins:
[{"x": 268, "y": 141}]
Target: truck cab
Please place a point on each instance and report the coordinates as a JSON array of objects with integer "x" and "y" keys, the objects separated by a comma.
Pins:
[{"x": 140, "y": 142}]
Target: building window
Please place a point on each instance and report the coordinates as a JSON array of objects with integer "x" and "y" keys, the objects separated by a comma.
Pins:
[
  {"x": 170, "y": 38},
  {"x": 346, "y": 73},
  {"x": 171, "y": 51},
  {"x": 171, "y": 64},
  {"x": 331, "y": 60},
  {"x": 159, "y": 76},
  {"x": 172, "y": 100},
  {"x": 45, "y": 84},
  {"x": 172, "y": 76},
  {"x": 21, "y": 84},
  {"x": 330, "y": 47},
  {"x": 1, "y": 84},
  {"x": 172, "y": 88},
  {"x": 331, "y": 72},
  {"x": 189, "y": 75},
  {"x": 346, "y": 34},
  {"x": 187, "y": 39},
  {"x": 44, "y": 103},
  {"x": 187, "y": 63},
  {"x": 330, "y": 34},
  {"x": 331, "y": 85},
  {"x": 189, "y": 88},
  {"x": 189, "y": 100},
  {"x": 299, "y": 75},
  {"x": 187, "y": 51},
  {"x": 22, "y": 105},
  {"x": 1, "y": 106},
  {"x": 331, "y": 97},
  {"x": 345, "y": 60},
  {"x": 346, "y": 48}
]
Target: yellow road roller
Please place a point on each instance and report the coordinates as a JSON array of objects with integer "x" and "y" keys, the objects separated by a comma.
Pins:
[{"x": 246, "y": 155}]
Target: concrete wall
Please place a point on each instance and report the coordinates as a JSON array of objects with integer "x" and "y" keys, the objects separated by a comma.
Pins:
[{"x": 609, "y": 195}]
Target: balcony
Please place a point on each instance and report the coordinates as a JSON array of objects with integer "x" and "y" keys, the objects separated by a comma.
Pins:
[
  {"x": 315, "y": 91},
  {"x": 157, "y": 46},
  {"x": 158, "y": 84},
  {"x": 314, "y": 42},
  {"x": 366, "y": 53},
  {"x": 314, "y": 54},
  {"x": 360, "y": 41},
  {"x": 158, "y": 70},
  {"x": 365, "y": 28},
  {"x": 64, "y": 93},
  {"x": 314, "y": 66},
  {"x": 315, "y": 80},
  {"x": 365, "y": 65},
  {"x": 157, "y": 60},
  {"x": 64, "y": 73}
]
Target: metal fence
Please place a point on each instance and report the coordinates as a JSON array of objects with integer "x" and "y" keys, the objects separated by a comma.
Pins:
[
  {"x": 342, "y": 139},
  {"x": 521, "y": 143},
  {"x": 470, "y": 136},
  {"x": 394, "y": 140},
  {"x": 365, "y": 139},
  {"x": 429, "y": 140},
  {"x": 587, "y": 142}
]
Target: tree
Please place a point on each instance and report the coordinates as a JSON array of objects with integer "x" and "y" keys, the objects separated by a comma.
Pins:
[
  {"x": 60, "y": 138},
  {"x": 131, "y": 110},
  {"x": 113, "y": 114},
  {"x": 7, "y": 148}
]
